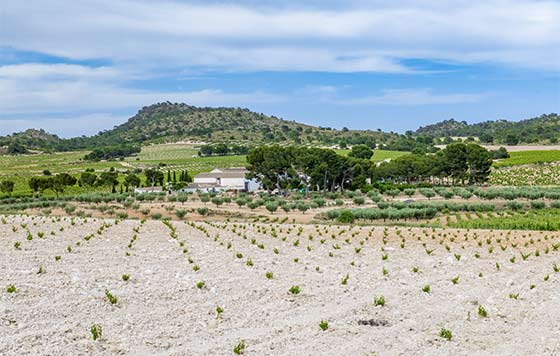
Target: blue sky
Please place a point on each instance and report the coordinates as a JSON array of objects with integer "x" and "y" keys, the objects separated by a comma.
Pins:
[{"x": 75, "y": 68}]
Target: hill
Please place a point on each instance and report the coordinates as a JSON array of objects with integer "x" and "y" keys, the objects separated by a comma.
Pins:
[
  {"x": 544, "y": 129},
  {"x": 32, "y": 139},
  {"x": 174, "y": 122}
]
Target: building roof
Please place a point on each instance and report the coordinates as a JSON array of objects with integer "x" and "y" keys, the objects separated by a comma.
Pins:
[{"x": 224, "y": 173}]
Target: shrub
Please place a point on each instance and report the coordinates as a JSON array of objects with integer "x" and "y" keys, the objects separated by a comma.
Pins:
[
  {"x": 345, "y": 217},
  {"x": 202, "y": 211}
]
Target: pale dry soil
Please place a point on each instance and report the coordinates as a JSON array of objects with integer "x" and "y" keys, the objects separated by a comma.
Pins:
[{"x": 160, "y": 310}]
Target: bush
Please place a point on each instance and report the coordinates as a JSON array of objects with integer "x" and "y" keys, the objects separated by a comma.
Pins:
[
  {"x": 202, "y": 211},
  {"x": 345, "y": 217}
]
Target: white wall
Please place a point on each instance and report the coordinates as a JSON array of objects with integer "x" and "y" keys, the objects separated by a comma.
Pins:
[{"x": 205, "y": 180}]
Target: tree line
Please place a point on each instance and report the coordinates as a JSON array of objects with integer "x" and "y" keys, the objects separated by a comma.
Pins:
[{"x": 287, "y": 168}]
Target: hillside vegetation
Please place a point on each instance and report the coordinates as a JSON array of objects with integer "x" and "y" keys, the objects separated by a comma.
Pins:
[
  {"x": 174, "y": 122},
  {"x": 543, "y": 129}
]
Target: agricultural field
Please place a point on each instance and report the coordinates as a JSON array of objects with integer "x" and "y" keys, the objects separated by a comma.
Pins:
[
  {"x": 380, "y": 155},
  {"x": 526, "y": 175},
  {"x": 73, "y": 286},
  {"x": 20, "y": 168},
  {"x": 529, "y": 157}
]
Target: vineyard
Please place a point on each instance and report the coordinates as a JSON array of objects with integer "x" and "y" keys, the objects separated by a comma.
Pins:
[
  {"x": 529, "y": 157},
  {"x": 91, "y": 286},
  {"x": 540, "y": 174}
]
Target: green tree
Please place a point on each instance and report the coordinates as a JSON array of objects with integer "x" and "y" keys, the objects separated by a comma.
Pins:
[
  {"x": 7, "y": 187},
  {"x": 131, "y": 180},
  {"x": 361, "y": 151},
  {"x": 87, "y": 179}
]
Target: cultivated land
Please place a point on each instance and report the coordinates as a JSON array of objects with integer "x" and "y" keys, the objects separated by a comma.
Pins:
[
  {"x": 177, "y": 157},
  {"x": 496, "y": 291}
]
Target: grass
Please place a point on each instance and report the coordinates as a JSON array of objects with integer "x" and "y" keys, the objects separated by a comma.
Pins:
[
  {"x": 529, "y": 157},
  {"x": 379, "y": 155}
]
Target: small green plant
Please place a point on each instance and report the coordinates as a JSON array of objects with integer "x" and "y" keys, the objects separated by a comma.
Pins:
[
  {"x": 294, "y": 290},
  {"x": 379, "y": 301},
  {"x": 513, "y": 296},
  {"x": 17, "y": 245},
  {"x": 455, "y": 280},
  {"x": 345, "y": 279},
  {"x": 239, "y": 349},
  {"x": 219, "y": 311},
  {"x": 196, "y": 268},
  {"x": 110, "y": 297},
  {"x": 269, "y": 275},
  {"x": 482, "y": 311},
  {"x": 41, "y": 270},
  {"x": 200, "y": 284},
  {"x": 446, "y": 334},
  {"x": 426, "y": 288},
  {"x": 96, "y": 331},
  {"x": 415, "y": 269},
  {"x": 555, "y": 268},
  {"x": 11, "y": 288},
  {"x": 324, "y": 325},
  {"x": 125, "y": 277},
  {"x": 57, "y": 258}
]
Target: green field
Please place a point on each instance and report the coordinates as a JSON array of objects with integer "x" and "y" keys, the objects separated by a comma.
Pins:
[
  {"x": 529, "y": 157},
  {"x": 546, "y": 219},
  {"x": 175, "y": 157},
  {"x": 379, "y": 155}
]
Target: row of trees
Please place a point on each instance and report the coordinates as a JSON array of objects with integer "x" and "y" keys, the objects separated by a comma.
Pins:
[
  {"x": 285, "y": 168},
  {"x": 109, "y": 179},
  {"x": 112, "y": 152}
]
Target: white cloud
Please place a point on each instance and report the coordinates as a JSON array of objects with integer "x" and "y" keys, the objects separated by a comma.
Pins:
[
  {"x": 363, "y": 36},
  {"x": 42, "y": 88},
  {"x": 70, "y": 126},
  {"x": 404, "y": 97}
]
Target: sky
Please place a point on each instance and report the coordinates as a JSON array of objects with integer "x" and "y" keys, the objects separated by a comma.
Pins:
[{"x": 77, "y": 67}]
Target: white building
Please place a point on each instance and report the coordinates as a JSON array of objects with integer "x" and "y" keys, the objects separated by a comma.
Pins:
[
  {"x": 223, "y": 180},
  {"x": 148, "y": 190}
]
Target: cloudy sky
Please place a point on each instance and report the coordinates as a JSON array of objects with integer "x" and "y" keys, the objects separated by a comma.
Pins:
[{"x": 77, "y": 67}]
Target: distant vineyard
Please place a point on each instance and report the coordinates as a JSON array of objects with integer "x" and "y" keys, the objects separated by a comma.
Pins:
[{"x": 545, "y": 174}]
